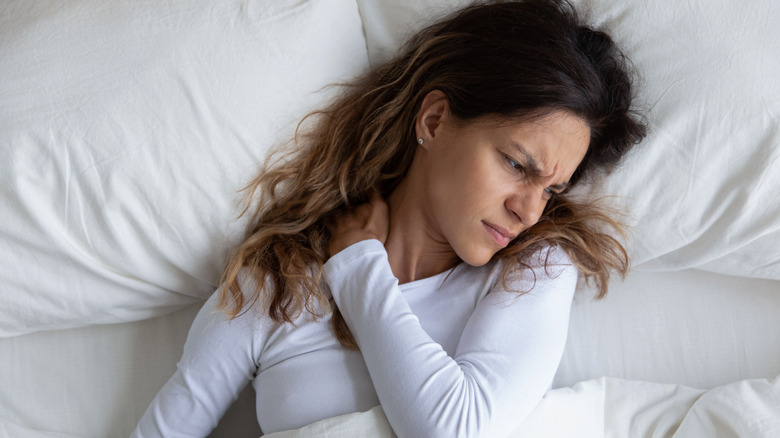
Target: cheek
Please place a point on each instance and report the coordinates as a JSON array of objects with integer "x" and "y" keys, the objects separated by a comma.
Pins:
[
  {"x": 475, "y": 195},
  {"x": 484, "y": 181},
  {"x": 463, "y": 180},
  {"x": 466, "y": 182},
  {"x": 454, "y": 196}
]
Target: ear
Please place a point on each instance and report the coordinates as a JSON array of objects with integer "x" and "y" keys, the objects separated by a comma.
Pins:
[{"x": 433, "y": 112}]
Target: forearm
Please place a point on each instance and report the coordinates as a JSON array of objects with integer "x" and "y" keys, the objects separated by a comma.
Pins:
[
  {"x": 217, "y": 362},
  {"x": 499, "y": 372}
]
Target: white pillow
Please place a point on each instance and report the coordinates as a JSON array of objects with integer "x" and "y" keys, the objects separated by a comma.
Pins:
[
  {"x": 703, "y": 187},
  {"x": 389, "y": 23},
  {"x": 126, "y": 131}
]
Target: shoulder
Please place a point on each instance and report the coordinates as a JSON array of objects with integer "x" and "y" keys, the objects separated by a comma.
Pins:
[
  {"x": 251, "y": 310},
  {"x": 550, "y": 260},
  {"x": 546, "y": 267},
  {"x": 548, "y": 263}
]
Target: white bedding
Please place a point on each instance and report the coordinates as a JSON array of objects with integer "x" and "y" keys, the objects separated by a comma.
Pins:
[
  {"x": 56, "y": 381},
  {"x": 693, "y": 328},
  {"x": 614, "y": 408},
  {"x": 126, "y": 131},
  {"x": 127, "y": 128}
]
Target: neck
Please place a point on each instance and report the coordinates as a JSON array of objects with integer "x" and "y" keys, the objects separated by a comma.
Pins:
[{"x": 415, "y": 249}]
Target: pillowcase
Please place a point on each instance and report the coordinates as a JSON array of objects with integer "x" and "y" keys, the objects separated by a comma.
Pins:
[
  {"x": 127, "y": 130},
  {"x": 701, "y": 190}
]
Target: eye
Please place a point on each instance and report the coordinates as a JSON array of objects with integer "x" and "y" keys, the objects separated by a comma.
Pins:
[
  {"x": 517, "y": 167},
  {"x": 551, "y": 192}
]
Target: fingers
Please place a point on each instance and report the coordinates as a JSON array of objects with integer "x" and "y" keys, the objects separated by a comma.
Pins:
[
  {"x": 380, "y": 212},
  {"x": 366, "y": 221},
  {"x": 376, "y": 199}
]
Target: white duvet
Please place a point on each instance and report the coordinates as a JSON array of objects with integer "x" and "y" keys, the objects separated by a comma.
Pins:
[{"x": 609, "y": 407}]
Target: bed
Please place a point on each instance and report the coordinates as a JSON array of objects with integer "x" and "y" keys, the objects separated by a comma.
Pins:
[{"x": 127, "y": 129}]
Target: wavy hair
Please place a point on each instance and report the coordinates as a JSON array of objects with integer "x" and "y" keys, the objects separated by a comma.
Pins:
[{"x": 514, "y": 61}]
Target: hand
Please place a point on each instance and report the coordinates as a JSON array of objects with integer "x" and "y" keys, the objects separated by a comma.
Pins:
[{"x": 364, "y": 222}]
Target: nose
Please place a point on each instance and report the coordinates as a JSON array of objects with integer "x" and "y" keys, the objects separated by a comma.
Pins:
[{"x": 527, "y": 204}]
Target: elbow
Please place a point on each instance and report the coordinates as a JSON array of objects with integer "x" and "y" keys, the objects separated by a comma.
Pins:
[{"x": 466, "y": 413}]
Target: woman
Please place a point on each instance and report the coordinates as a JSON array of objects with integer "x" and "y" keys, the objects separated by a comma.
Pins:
[{"x": 417, "y": 249}]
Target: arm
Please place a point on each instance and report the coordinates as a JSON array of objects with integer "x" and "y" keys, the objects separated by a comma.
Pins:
[
  {"x": 218, "y": 361},
  {"x": 505, "y": 361}
]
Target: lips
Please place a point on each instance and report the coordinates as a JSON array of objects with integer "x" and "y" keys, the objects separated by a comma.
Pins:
[{"x": 500, "y": 235}]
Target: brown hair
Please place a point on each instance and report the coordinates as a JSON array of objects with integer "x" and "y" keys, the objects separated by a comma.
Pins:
[{"x": 508, "y": 60}]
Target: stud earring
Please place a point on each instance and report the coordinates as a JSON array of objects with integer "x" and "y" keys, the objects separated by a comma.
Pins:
[{"x": 420, "y": 140}]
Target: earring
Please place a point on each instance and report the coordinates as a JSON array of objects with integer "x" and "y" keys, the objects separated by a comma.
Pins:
[{"x": 420, "y": 140}]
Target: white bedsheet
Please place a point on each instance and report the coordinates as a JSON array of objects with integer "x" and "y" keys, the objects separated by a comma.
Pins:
[{"x": 691, "y": 327}]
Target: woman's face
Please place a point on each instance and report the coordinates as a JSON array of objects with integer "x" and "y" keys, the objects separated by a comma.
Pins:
[{"x": 488, "y": 181}]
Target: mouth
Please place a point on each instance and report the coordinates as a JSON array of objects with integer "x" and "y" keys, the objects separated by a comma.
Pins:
[{"x": 500, "y": 235}]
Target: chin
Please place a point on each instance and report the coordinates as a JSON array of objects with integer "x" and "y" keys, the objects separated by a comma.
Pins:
[{"x": 477, "y": 259}]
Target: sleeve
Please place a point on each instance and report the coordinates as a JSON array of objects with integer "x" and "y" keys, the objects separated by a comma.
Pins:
[
  {"x": 505, "y": 361},
  {"x": 217, "y": 363}
]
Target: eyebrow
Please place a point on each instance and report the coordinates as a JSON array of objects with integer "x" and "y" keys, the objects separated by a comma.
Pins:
[{"x": 531, "y": 163}]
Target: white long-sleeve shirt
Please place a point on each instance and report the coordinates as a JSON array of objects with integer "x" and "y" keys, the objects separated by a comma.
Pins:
[{"x": 450, "y": 355}]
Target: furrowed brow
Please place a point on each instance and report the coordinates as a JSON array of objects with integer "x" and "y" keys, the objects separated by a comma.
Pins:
[
  {"x": 534, "y": 168},
  {"x": 530, "y": 161}
]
